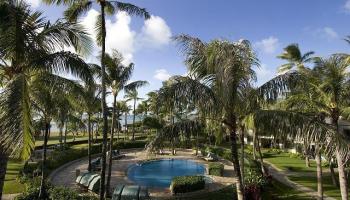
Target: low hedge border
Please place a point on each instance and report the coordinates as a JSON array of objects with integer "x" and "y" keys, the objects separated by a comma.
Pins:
[
  {"x": 216, "y": 169},
  {"x": 184, "y": 184}
]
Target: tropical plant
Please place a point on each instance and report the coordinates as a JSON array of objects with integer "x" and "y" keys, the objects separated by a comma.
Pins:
[
  {"x": 132, "y": 95},
  {"x": 117, "y": 77},
  {"x": 76, "y": 9},
  {"x": 31, "y": 51},
  {"x": 229, "y": 66},
  {"x": 295, "y": 58}
]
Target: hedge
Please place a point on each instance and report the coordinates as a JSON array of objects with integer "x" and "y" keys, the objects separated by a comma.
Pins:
[
  {"x": 183, "y": 184},
  {"x": 58, "y": 158},
  {"x": 216, "y": 169}
]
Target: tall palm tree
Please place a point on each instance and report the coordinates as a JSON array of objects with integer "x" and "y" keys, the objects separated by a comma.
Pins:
[
  {"x": 110, "y": 7},
  {"x": 229, "y": 65},
  {"x": 89, "y": 103},
  {"x": 30, "y": 47},
  {"x": 125, "y": 109},
  {"x": 295, "y": 58},
  {"x": 132, "y": 95},
  {"x": 47, "y": 92},
  {"x": 335, "y": 75},
  {"x": 117, "y": 77}
]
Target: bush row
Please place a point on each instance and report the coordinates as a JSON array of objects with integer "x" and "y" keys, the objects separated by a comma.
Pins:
[
  {"x": 183, "y": 184},
  {"x": 216, "y": 169},
  {"x": 53, "y": 193},
  {"x": 58, "y": 158}
]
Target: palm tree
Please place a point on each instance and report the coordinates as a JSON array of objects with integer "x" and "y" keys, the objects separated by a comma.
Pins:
[
  {"x": 30, "y": 48},
  {"x": 228, "y": 66},
  {"x": 132, "y": 94},
  {"x": 76, "y": 9},
  {"x": 89, "y": 103},
  {"x": 47, "y": 92},
  {"x": 117, "y": 76},
  {"x": 125, "y": 109},
  {"x": 335, "y": 85},
  {"x": 295, "y": 58}
]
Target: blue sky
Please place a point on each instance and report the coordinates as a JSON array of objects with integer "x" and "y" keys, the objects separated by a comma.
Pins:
[{"x": 270, "y": 25}]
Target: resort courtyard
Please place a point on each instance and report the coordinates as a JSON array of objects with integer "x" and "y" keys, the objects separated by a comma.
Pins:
[{"x": 174, "y": 100}]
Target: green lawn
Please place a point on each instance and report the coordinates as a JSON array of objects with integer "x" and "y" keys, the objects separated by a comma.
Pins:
[
  {"x": 311, "y": 182},
  {"x": 285, "y": 162},
  {"x": 279, "y": 191},
  {"x": 11, "y": 185}
]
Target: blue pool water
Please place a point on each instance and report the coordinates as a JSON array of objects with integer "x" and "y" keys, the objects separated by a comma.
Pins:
[{"x": 159, "y": 173}]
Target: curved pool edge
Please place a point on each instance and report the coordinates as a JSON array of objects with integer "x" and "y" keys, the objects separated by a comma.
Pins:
[{"x": 140, "y": 163}]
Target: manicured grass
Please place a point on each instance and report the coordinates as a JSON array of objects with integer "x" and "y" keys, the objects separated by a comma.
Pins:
[
  {"x": 285, "y": 162},
  {"x": 11, "y": 185},
  {"x": 279, "y": 191},
  {"x": 311, "y": 182}
]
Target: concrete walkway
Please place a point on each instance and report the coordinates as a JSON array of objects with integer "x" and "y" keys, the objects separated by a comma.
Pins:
[
  {"x": 282, "y": 177},
  {"x": 9, "y": 196}
]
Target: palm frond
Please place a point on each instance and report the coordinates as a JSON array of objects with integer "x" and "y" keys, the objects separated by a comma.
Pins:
[
  {"x": 132, "y": 9},
  {"x": 15, "y": 118}
]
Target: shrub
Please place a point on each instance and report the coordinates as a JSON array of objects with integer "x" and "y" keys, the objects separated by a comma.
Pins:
[
  {"x": 183, "y": 184},
  {"x": 216, "y": 169},
  {"x": 63, "y": 193},
  {"x": 216, "y": 150},
  {"x": 254, "y": 182}
]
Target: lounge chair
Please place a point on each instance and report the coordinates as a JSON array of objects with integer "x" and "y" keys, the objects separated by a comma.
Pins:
[
  {"x": 115, "y": 155},
  {"x": 96, "y": 164},
  {"x": 211, "y": 157}
]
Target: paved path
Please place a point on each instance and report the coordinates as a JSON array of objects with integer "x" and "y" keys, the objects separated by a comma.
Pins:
[
  {"x": 9, "y": 196},
  {"x": 282, "y": 177},
  {"x": 65, "y": 176}
]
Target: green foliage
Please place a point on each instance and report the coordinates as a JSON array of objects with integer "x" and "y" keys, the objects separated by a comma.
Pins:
[
  {"x": 216, "y": 169},
  {"x": 63, "y": 193},
  {"x": 152, "y": 122},
  {"x": 183, "y": 184},
  {"x": 32, "y": 189}
]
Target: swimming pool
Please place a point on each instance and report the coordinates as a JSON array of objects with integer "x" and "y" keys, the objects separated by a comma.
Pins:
[{"x": 159, "y": 173}]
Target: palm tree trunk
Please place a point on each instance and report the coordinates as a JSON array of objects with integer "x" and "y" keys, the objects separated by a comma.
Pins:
[
  {"x": 65, "y": 133},
  {"x": 331, "y": 169},
  {"x": 111, "y": 150},
  {"x": 306, "y": 153},
  {"x": 103, "y": 103},
  {"x": 254, "y": 145},
  {"x": 235, "y": 160},
  {"x": 133, "y": 121},
  {"x": 319, "y": 173},
  {"x": 197, "y": 143},
  {"x": 126, "y": 124},
  {"x": 42, "y": 193},
  {"x": 61, "y": 134},
  {"x": 263, "y": 170},
  {"x": 89, "y": 141},
  {"x": 3, "y": 167},
  {"x": 242, "y": 154},
  {"x": 342, "y": 176}
]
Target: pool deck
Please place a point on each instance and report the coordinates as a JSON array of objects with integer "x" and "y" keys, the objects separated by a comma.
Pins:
[{"x": 65, "y": 176}]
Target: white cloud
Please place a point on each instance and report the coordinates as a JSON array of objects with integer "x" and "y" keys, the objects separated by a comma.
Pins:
[
  {"x": 155, "y": 32},
  {"x": 347, "y": 5},
  {"x": 162, "y": 74},
  {"x": 268, "y": 45},
  {"x": 264, "y": 74},
  {"x": 330, "y": 33},
  {"x": 33, "y": 3}
]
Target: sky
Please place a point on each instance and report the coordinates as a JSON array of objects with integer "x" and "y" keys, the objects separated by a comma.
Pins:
[{"x": 270, "y": 25}]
